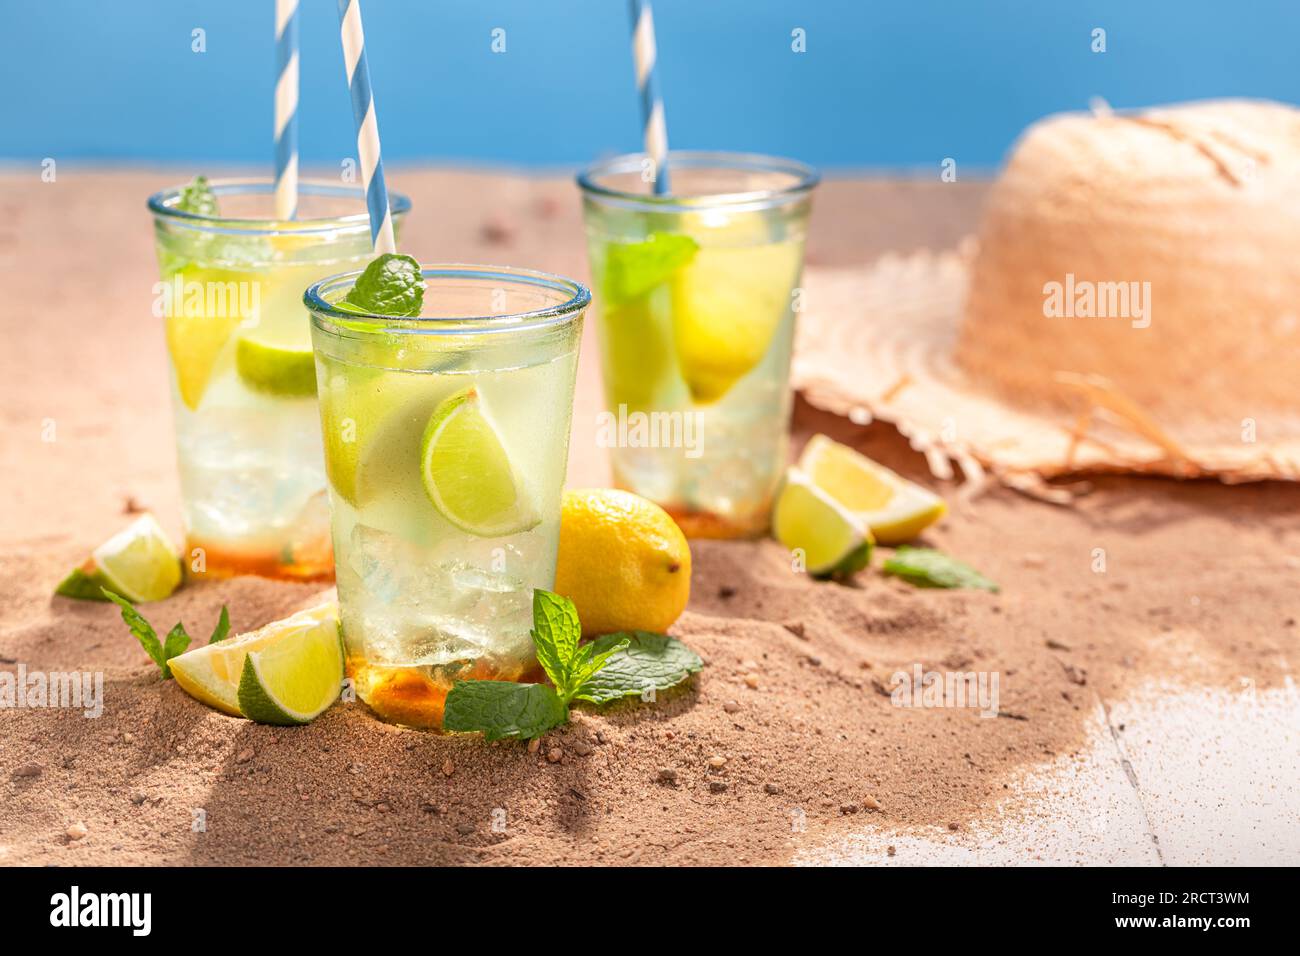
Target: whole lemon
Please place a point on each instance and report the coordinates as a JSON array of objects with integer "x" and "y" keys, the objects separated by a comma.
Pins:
[{"x": 623, "y": 562}]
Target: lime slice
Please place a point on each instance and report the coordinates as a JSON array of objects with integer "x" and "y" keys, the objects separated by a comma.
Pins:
[
  {"x": 211, "y": 673},
  {"x": 833, "y": 541},
  {"x": 277, "y": 362},
  {"x": 727, "y": 304},
  {"x": 140, "y": 563},
  {"x": 467, "y": 473},
  {"x": 294, "y": 678},
  {"x": 347, "y": 398},
  {"x": 895, "y": 509},
  {"x": 372, "y": 422},
  {"x": 203, "y": 318}
]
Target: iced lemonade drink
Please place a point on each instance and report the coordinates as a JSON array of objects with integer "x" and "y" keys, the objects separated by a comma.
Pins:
[
  {"x": 243, "y": 376},
  {"x": 696, "y": 294},
  {"x": 446, "y": 443}
]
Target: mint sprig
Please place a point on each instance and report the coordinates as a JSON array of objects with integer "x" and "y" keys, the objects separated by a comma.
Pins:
[
  {"x": 608, "y": 668},
  {"x": 392, "y": 284},
  {"x": 176, "y": 641},
  {"x": 928, "y": 568},
  {"x": 198, "y": 198}
]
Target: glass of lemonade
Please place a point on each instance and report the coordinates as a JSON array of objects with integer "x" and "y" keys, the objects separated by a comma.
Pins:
[
  {"x": 446, "y": 443},
  {"x": 242, "y": 371},
  {"x": 697, "y": 292}
]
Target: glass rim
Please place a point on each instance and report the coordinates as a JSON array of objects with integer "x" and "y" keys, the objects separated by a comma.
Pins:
[
  {"x": 162, "y": 205},
  {"x": 506, "y": 322},
  {"x": 805, "y": 178}
]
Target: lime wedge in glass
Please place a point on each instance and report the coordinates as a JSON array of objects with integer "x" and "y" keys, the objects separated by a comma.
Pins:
[
  {"x": 373, "y": 421},
  {"x": 833, "y": 540},
  {"x": 295, "y": 677},
  {"x": 468, "y": 475},
  {"x": 140, "y": 563},
  {"x": 351, "y": 403},
  {"x": 277, "y": 360},
  {"x": 639, "y": 363}
]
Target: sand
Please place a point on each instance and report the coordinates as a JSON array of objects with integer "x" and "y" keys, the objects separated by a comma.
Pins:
[{"x": 1199, "y": 585}]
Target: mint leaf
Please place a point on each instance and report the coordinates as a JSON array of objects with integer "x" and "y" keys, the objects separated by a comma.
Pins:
[
  {"x": 634, "y": 268},
  {"x": 142, "y": 629},
  {"x": 500, "y": 709},
  {"x": 635, "y": 661},
  {"x": 222, "y": 628},
  {"x": 174, "y": 644},
  {"x": 198, "y": 198},
  {"x": 391, "y": 285},
  {"x": 555, "y": 635},
  {"x": 927, "y": 568},
  {"x": 591, "y": 657}
]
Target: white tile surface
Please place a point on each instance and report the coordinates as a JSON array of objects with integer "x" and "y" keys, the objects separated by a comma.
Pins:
[{"x": 1213, "y": 777}]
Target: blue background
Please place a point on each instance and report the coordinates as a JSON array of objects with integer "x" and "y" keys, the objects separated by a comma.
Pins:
[{"x": 889, "y": 83}]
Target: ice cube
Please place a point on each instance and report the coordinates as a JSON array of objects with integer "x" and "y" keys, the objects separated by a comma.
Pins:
[{"x": 414, "y": 606}]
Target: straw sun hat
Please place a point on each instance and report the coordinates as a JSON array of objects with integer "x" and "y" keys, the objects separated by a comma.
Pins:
[{"x": 1131, "y": 304}]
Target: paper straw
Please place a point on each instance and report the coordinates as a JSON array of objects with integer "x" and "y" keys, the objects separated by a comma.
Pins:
[
  {"x": 286, "y": 109},
  {"x": 647, "y": 85},
  {"x": 363, "y": 111}
]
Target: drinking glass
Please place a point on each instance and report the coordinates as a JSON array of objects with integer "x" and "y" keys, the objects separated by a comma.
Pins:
[
  {"x": 697, "y": 293},
  {"x": 242, "y": 372},
  {"x": 446, "y": 443}
]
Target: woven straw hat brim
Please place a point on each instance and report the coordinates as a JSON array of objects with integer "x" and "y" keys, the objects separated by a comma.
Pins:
[{"x": 878, "y": 343}]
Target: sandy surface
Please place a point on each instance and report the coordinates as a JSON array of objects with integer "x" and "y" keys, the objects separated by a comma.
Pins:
[{"x": 1199, "y": 588}]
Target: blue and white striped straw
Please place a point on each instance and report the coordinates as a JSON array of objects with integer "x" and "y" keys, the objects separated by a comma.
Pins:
[
  {"x": 286, "y": 109},
  {"x": 363, "y": 111},
  {"x": 647, "y": 85}
]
